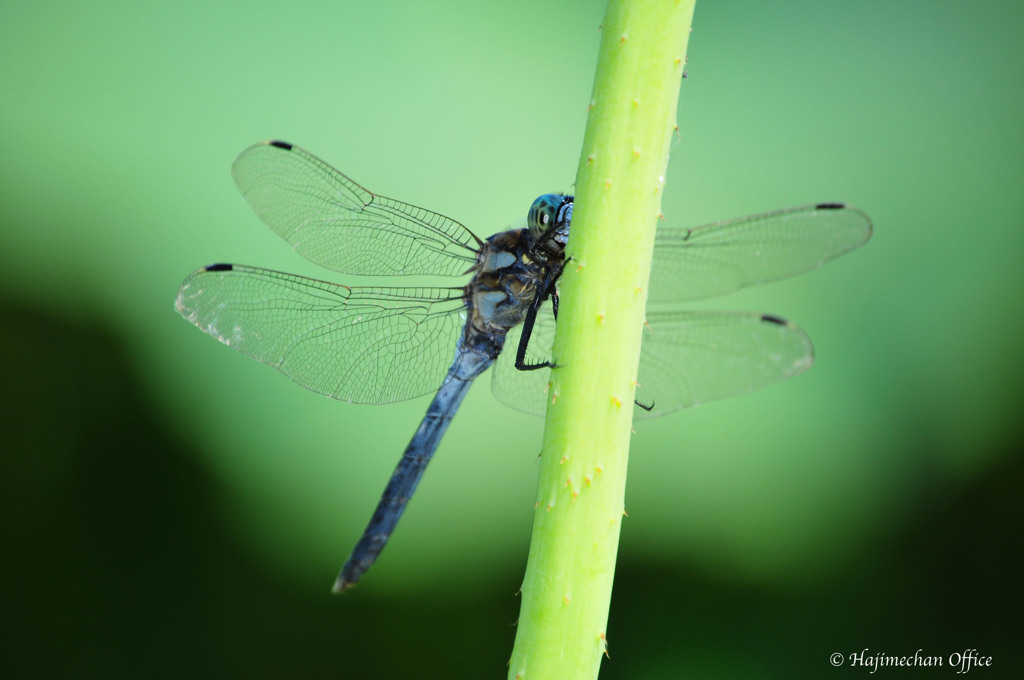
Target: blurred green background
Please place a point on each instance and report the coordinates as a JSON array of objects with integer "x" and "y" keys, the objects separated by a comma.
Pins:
[{"x": 172, "y": 508}]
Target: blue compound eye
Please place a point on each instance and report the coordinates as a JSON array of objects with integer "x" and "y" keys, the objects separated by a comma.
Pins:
[{"x": 543, "y": 213}]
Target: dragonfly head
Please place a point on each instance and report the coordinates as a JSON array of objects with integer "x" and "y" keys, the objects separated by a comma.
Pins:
[{"x": 549, "y": 219}]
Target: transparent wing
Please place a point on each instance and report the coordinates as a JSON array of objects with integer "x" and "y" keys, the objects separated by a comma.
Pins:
[
  {"x": 720, "y": 258},
  {"x": 366, "y": 345},
  {"x": 334, "y": 222},
  {"x": 688, "y": 358},
  {"x": 691, "y": 357}
]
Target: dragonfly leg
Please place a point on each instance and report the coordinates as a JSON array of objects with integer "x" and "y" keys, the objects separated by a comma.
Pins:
[
  {"x": 524, "y": 341},
  {"x": 553, "y": 291},
  {"x": 549, "y": 291}
]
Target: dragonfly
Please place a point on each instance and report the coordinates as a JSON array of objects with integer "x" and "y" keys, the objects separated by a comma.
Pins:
[{"x": 382, "y": 344}]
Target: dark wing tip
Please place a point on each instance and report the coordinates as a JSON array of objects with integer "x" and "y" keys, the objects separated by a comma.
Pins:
[
  {"x": 852, "y": 211},
  {"x": 219, "y": 267},
  {"x": 280, "y": 145},
  {"x": 771, "y": 318}
]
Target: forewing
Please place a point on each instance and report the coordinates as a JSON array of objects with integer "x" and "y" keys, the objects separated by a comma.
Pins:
[
  {"x": 334, "y": 222},
  {"x": 693, "y": 357},
  {"x": 720, "y": 258},
  {"x": 367, "y": 345}
]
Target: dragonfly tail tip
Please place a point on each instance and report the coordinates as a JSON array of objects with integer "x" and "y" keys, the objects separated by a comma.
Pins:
[{"x": 341, "y": 585}]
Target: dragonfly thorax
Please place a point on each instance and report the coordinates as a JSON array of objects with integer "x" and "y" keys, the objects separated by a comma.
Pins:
[{"x": 516, "y": 269}]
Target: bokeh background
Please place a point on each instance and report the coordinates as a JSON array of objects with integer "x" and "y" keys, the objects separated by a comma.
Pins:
[{"x": 174, "y": 509}]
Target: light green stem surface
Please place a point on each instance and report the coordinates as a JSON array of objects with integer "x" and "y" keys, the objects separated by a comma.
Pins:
[{"x": 580, "y": 496}]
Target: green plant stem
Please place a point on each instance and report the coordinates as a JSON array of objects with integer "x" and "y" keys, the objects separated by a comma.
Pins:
[{"x": 580, "y": 497}]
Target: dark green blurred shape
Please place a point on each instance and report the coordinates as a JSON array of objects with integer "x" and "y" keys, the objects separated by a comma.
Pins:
[{"x": 119, "y": 563}]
